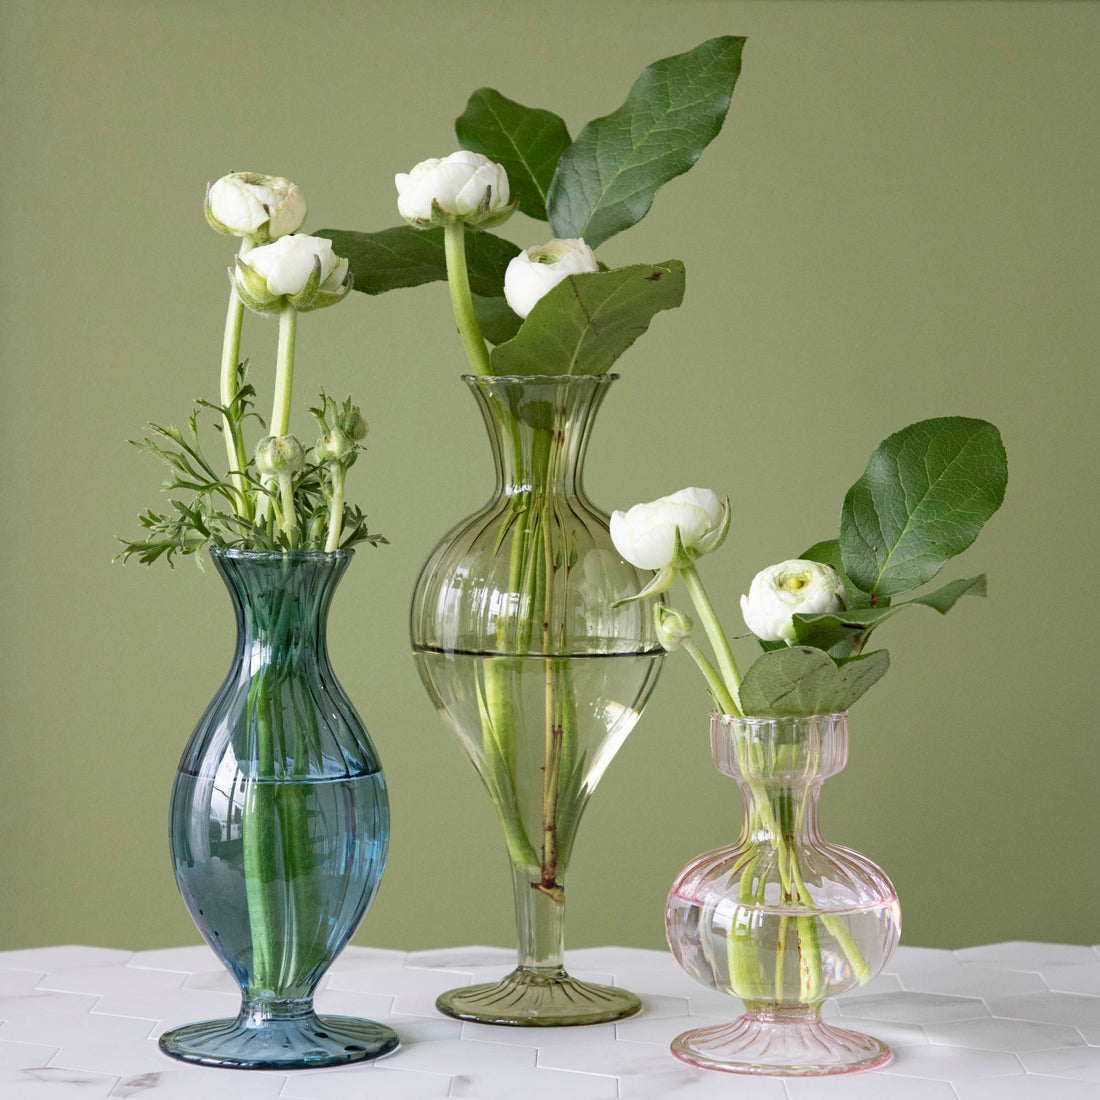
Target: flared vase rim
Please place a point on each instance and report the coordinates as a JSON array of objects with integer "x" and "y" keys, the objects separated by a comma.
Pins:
[
  {"x": 537, "y": 379},
  {"x": 729, "y": 719},
  {"x": 237, "y": 553}
]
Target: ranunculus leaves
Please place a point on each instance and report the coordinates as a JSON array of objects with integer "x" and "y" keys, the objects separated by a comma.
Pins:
[
  {"x": 800, "y": 681},
  {"x": 606, "y": 180},
  {"x": 404, "y": 256},
  {"x": 926, "y": 493},
  {"x": 827, "y": 629},
  {"x": 529, "y": 143},
  {"x": 586, "y": 322}
]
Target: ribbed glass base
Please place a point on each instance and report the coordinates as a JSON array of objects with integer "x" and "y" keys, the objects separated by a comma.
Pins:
[
  {"x": 538, "y": 998},
  {"x": 302, "y": 1042},
  {"x": 763, "y": 1043}
]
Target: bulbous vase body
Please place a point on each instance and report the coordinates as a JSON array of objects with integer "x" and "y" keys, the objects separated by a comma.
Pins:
[
  {"x": 279, "y": 823},
  {"x": 782, "y": 919},
  {"x": 536, "y": 673}
]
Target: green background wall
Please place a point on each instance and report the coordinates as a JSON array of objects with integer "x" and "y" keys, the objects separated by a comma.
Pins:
[{"x": 894, "y": 224}]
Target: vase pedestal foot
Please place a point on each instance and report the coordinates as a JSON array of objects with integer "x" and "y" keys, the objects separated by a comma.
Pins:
[
  {"x": 546, "y": 997},
  {"x": 303, "y": 1042},
  {"x": 762, "y": 1043}
]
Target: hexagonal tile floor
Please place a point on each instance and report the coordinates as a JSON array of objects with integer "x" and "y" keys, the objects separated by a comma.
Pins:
[{"x": 1008, "y": 1021}]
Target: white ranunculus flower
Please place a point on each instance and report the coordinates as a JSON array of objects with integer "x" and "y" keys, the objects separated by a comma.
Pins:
[
  {"x": 538, "y": 270},
  {"x": 790, "y": 588},
  {"x": 248, "y": 204},
  {"x": 300, "y": 270},
  {"x": 462, "y": 187},
  {"x": 646, "y": 534}
]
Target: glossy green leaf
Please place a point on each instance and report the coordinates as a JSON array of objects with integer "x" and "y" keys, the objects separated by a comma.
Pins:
[
  {"x": 926, "y": 493},
  {"x": 494, "y": 315},
  {"x": 801, "y": 680},
  {"x": 529, "y": 143},
  {"x": 403, "y": 256},
  {"x": 828, "y": 553},
  {"x": 945, "y": 598},
  {"x": 587, "y": 321},
  {"x": 606, "y": 180},
  {"x": 826, "y": 629}
]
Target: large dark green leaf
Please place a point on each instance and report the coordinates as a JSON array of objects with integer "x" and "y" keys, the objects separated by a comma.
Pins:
[
  {"x": 945, "y": 598},
  {"x": 925, "y": 495},
  {"x": 800, "y": 680},
  {"x": 529, "y": 143},
  {"x": 494, "y": 315},
  {"x": 606, "y": 180},
  {"x": 587, "y": 321},
  {"x": 404, "y": 256},
  {"x": 828, "y": 553},
  {"x": 830, "y": 628}
]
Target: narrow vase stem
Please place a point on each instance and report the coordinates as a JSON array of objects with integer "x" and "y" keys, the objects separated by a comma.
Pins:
[{"x": 540, "y": 924}]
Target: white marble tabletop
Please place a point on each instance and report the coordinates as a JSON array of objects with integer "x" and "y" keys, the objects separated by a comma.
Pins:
[{"x": 1009, "y": 1021}]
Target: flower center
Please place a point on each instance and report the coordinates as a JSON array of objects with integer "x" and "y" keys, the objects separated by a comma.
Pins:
[{"x": 793, "y": 582}]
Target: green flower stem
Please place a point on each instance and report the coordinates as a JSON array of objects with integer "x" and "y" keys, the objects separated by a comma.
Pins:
[
  {"x": 781, "y": 954},
  {"x": 289, "y": 519},
  {"x": 777, "y": 816},
  {"x": 722, "y": 698},
  {"x": 718, "y": 640},
  {"x": 458, "y": 279},
  {"x": 284, "y": 371},
  {"x": 498, "y": 745},
  {"x": 280, "y": 410},
  {"x": 257, "y": 830},
  {"x": 335, "y": 507},
  {"x": 231, "y": 357},
  {"x": 745, "y": 968}
]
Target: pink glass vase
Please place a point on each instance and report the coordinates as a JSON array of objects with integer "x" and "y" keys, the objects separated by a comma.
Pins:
[{"x": 782, "y": 919}]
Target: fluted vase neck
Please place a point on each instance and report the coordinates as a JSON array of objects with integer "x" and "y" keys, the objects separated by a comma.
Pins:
[
  {"x": 281, "y": 599},
  {"x": 539, "y": 426},
  {"x": 780, "y": 765}
]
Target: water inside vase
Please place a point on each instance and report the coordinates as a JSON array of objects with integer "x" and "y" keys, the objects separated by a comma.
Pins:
[
  {"x": 522, "y": 719},
  {"x": 314, "y": 851},
  {"x": 767, "y": 954}
]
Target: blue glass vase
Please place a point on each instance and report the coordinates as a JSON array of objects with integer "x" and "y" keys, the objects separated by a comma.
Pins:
[{"x": 279, "y": 823}]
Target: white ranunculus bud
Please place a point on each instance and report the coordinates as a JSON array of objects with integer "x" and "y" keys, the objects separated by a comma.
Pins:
[
  {"x": 795, "y": 587},
  {"x": 536, "y": 271},
  {"x": 248, "y": 204},
  {"x": 672, "y": 626},
  {"x": 300, "y": 270},
  {"x": 646, "y": 534},
  {"x": 462, "y": 187}
]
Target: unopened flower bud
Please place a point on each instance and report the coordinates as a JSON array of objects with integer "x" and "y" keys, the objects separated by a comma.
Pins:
[
  {"x": 351, "y": 422},
  {"x": 790, "y": 588},
  {"x": 248, "y": 204},
  {"x": 465, "y": 187},
  {"x": 279, "y": 454},
  {"x": 672, "y": 626},
  {"x": 536, "y": 271},
  {"x": 334, "y": 446},
  {"x": 298, "y": 270},
  {"x": 646, "y": 534}
]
